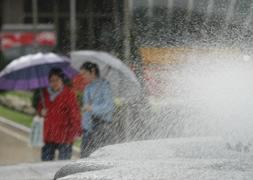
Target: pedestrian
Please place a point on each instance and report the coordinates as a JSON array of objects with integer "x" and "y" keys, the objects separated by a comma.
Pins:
[
  {"x": 79, "y": 83},
  {"x": 97, "y": 108},
  {"x": 62, "y": 117}
]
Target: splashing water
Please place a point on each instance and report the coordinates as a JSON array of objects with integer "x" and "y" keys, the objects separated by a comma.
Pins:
[
  {"x": 206, "y": 95},
  {"x": 209, "y": 91}
]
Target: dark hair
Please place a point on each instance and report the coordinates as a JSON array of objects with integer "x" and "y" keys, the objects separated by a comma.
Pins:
[
  {"x": 88, "y": 66},
  {"x": 56, "y": 72}
]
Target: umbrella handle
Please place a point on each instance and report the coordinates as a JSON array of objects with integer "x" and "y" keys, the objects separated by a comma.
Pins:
[{"x": 42, "y": 99}]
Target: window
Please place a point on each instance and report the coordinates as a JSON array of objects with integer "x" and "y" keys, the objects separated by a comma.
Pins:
[
  {"x": 28, "y": 6},
  {"x": 45, "y": 6},
  {"x": 64, "y": 6},
  {"x": 46, "y": 20},
  {"x": 104, "y": 33},
  {"x": 82, "y": 34},
  {"x": 82, "y": 6},
  {"x": 103, "y": 6}
]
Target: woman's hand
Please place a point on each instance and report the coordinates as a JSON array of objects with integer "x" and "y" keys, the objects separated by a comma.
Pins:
[
  {"x": 87, "y": 108},
  {"x": 43, "y": 112}
]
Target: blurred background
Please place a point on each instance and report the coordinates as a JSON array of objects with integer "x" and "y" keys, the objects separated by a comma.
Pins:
[
  {"x": 121, "y": 26},
  {"x": 150, "y": 36}
]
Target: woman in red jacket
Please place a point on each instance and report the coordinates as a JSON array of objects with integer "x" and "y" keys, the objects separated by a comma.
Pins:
[{"x": 62, "y": 118}]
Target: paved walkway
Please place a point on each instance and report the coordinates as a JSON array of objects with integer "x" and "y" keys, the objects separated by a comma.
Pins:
[{"x": 14, "y": 148}]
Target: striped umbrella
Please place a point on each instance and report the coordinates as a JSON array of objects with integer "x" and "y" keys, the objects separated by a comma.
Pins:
[{"x": 31, "y": 71}]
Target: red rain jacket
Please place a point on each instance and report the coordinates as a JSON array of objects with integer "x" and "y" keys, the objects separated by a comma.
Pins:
[{"x": 63, "y": 119}]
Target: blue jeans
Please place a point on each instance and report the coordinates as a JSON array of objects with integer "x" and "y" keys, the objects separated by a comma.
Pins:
[{"x": 48, "y": 151}]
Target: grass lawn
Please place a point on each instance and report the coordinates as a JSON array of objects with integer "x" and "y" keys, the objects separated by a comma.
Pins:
[{"x": 15, "y": 116}]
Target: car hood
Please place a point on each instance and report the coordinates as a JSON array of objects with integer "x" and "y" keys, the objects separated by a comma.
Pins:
[{"x": 205, "y": 158}]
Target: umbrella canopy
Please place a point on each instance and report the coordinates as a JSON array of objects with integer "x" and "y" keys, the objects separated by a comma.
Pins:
[
  {"x": 123, "y": 81},
  {"x": 31, "y": 71}
]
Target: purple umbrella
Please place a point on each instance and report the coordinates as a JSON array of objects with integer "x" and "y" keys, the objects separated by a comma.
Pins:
[{"x": 31, "y": 71}]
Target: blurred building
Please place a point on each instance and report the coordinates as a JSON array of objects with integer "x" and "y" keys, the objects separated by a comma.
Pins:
[
  {"x": 170, "y": 31},
  {"x": 98, "y": 22},
  {"x": 119, "y": 26},
  {"x": 190, "y": 22}
]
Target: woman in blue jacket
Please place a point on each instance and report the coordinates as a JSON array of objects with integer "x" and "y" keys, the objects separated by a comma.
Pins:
[{"x": 98, "y": 110}]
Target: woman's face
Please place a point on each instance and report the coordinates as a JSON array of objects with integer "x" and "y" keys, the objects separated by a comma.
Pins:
[
  {"x": 55, "y": 82},
  {"x": 90, "y": 76}
]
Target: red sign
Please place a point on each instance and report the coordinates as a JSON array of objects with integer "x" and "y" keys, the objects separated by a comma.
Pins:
[{"x": 15, "y": 39}]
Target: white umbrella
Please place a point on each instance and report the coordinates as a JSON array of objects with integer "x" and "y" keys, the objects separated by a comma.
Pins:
[{"x": 123, "y": 81}]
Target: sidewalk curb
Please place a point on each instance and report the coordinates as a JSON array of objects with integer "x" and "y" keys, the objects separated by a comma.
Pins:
[
  {"x": 25, "y": 130},
  {"x": 15, "y": 125}
]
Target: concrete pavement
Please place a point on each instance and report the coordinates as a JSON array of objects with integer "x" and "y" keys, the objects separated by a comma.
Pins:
[{"x": 14, "y": 146}]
